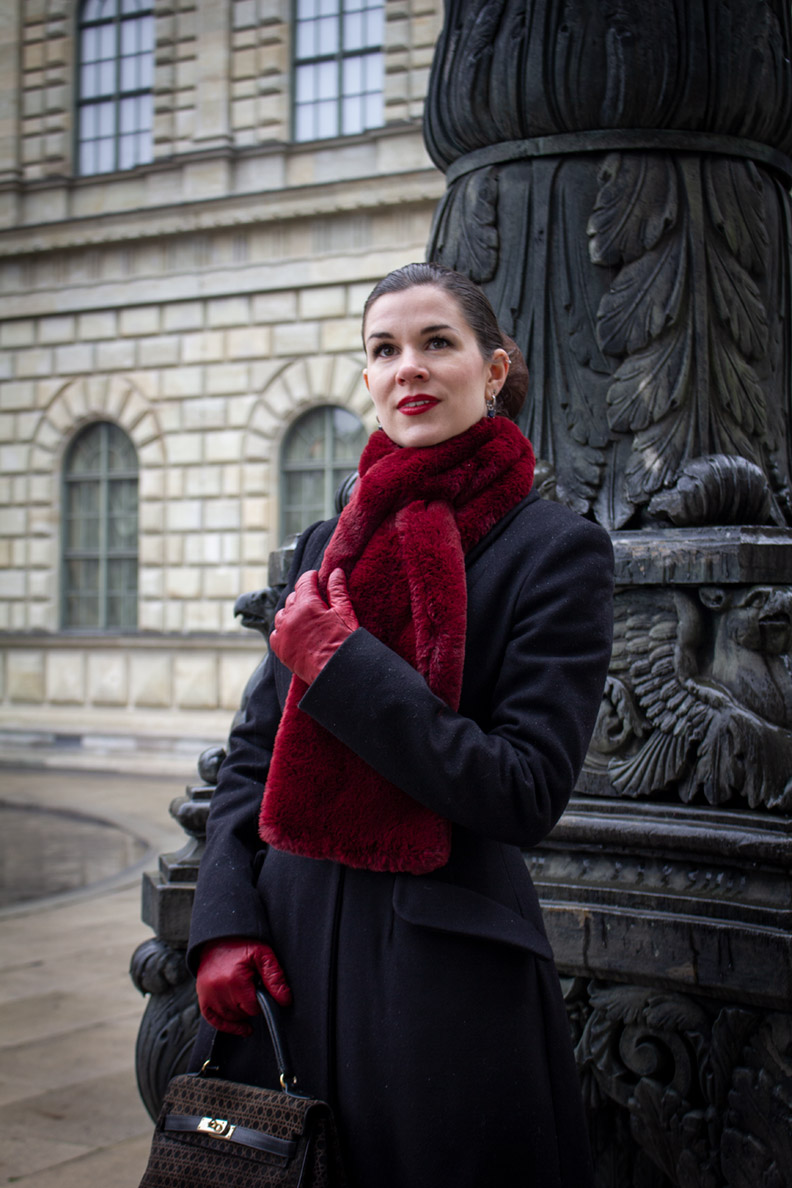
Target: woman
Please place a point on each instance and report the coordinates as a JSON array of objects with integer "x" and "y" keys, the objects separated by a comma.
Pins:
[{"x": 433, "y": 680}]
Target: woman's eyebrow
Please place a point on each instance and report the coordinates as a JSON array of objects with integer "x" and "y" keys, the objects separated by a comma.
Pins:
[{"x": 424, "y": 330}]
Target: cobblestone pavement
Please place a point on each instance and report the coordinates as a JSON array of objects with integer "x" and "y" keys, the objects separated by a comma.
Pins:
[{"x": 69, "y": 1013}]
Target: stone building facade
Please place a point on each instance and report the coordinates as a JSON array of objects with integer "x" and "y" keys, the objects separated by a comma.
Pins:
[{"x": 201, "y": 301}]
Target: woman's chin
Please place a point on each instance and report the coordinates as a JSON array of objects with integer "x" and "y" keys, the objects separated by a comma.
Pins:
[{"x": 424, "y": 434}]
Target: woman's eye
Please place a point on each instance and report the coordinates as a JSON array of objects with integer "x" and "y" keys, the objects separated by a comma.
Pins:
[
  {"x": 437, "y": 343},
  {"x": 384, "y": 351}
]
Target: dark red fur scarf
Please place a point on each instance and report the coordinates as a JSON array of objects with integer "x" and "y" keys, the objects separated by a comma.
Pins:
[{"x": 401, "y": 542}]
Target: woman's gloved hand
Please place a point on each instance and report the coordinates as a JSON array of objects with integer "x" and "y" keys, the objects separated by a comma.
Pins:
[
  {"x": 308, "y": 631},
  {"x": 226, "y": 982}
]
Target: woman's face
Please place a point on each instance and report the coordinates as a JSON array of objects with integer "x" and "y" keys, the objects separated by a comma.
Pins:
[{"x": 425, "y": 372}]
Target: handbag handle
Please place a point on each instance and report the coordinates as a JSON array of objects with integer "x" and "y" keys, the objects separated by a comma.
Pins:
[{"x": 288, "y": 1081}]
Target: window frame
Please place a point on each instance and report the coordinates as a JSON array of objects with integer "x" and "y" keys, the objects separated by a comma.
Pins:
[
  {"x": 102, "y": 553},
  {"x": 339, "y": 56},
  {"x": 80, "y": 102}
]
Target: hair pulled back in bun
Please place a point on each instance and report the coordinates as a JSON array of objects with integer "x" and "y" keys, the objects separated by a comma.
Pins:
[{"x": 478, "y": 314}]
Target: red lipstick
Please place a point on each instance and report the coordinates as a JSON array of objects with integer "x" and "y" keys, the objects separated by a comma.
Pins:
[{"x": 413, "y": 406}]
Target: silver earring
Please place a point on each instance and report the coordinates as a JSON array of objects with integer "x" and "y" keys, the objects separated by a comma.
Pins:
[{"x": 490, "y": 404}]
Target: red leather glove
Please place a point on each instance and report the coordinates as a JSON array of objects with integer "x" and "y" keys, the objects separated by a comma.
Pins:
[
  {"x": 226, "y": 982},
  {"x": 308, "y": 631}
]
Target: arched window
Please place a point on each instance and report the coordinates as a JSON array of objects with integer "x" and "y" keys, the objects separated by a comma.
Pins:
[
  {"x": 320, "y": 450},
  {"x": 100, "y": 531},
  {"x": 338, "y": 67},
  {"x": 116, "y": 76}
]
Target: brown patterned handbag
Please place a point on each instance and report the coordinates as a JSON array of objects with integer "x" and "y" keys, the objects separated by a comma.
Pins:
[{"x": 213, "y": 1133}]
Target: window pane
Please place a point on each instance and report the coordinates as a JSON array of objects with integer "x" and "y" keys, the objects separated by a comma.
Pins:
[
  {"x": 352, "y": 116},
  {"x": 129, "y": 37},
  {"x": 88, "y": 122},
  {"x": 90, "y": 45},
  {"x": 85, "y": 454},
  {"x": 353, "y": 31},
  {"x": 327, "y": 35},
  {"x": 122, "y": 515},
  {"x": 304, "y": 123},
  {"x": 105, "y": 118},
  {"x": 374, "y": 113},
  {"x": 305, "y": 89},
  {"x": 106, "y": 155},
  {"x": 120, "y": 451},
  {"x": 327, "y": 7},
  {"x": 372, "y": 71},
  {"x": 327, "y": 80},
  {"x": 326, "y": 119},
  {"x": 306, "y": 439},
  {"x": 306, "y": 8},
  {"x": 107, "y": 74},
  {"x": 127, "y": 116},
  {"x": 121, "y": 576},
  {"x": 82, "y": 517},
  {"x": 353, "y": 76},
  {"x": 146, "y": 40},
  {"x": 107, "y": 41},
  {"x": 349, "y": 437},
  {"x": 82, "y": 594},
  {"x": 96, "y": 10},
  {"x": 121, "y": 611},
  {"x": 146, "y": 71},
  {"x": 87, "y": 158},
  {"x": 303, "y": 500},
  {"x": 306, "y": 40},
  {"x": 130, "y": 68},
  {"x": 136, "y": 6},
  {"x": 375, "y": 26},
  {"x": 89, "y": 81},
  {"x": 127, "y": 147},
  {"x": 121, "y": 603},
  {"x": 82, "y": 610}
]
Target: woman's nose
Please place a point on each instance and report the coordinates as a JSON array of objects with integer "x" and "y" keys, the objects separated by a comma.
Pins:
[{"x": 410, "y": 368}]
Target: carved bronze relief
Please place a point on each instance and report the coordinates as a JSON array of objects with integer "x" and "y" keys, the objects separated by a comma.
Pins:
[
  {"x": 698, "y": 702},
  {"x": 702, "y": 1090}
]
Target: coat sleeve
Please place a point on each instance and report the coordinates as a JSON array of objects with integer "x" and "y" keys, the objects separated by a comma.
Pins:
[
  {"x": 510, "y": 776},
  {"x": 226, "y": 901}
]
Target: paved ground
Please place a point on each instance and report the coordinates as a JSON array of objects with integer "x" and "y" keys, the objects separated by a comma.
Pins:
[{"x": 69, "y": 1014}]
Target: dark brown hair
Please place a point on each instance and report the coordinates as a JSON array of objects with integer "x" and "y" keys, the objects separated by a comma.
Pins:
[{"x": 477, "y": 312}]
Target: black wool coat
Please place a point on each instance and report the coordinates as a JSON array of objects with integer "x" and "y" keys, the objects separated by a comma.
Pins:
[{"x": 427, "y": 1009}]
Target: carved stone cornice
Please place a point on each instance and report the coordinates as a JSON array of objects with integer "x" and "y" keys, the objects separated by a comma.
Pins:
[
  {"x": 671, "y": 895},
  {"x": 690, "y": 556},
  {"x": 286, "y": 204}
]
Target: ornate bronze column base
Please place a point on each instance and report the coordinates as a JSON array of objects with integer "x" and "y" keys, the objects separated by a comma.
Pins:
[{"x": 667, "y": 884}]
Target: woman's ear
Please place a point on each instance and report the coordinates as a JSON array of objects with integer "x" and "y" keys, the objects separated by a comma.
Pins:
[
  {"x": 365, "y": 377},
  {"x": 499, "y": 368}
]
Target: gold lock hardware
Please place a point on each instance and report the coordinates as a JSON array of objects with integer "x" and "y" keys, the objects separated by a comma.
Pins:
[{"x": 218, "y": 1127}]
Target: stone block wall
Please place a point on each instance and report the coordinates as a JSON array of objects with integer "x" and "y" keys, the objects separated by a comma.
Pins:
[
  {"x": 119, "y": 674},
  {"x": 202, "y": 303}
]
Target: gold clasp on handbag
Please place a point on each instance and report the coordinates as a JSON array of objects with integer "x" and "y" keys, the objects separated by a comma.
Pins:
[{"x": 217, "y": 1127}]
